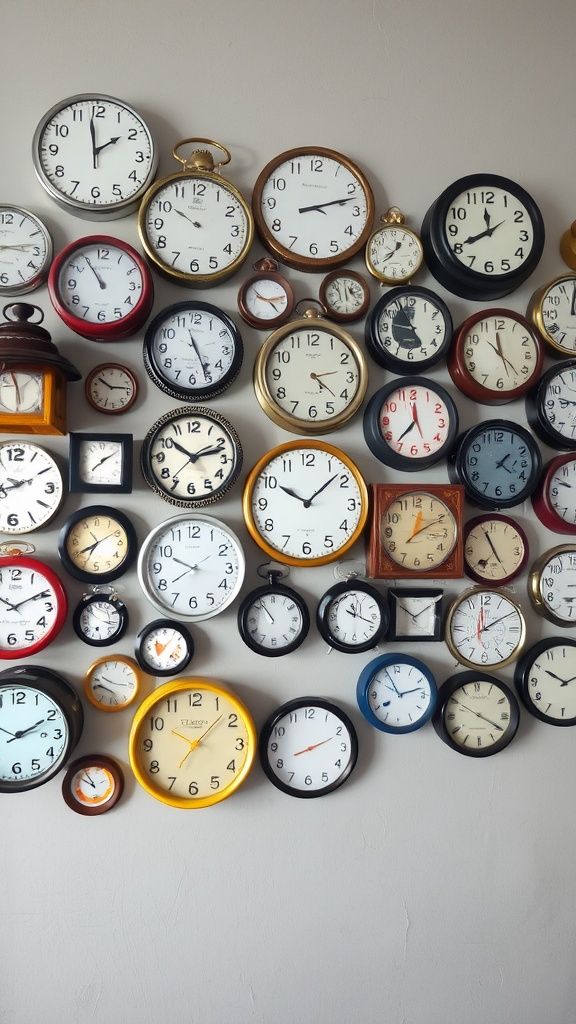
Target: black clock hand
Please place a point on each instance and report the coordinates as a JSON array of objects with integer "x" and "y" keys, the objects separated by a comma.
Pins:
[
  {"x": 90, "y": 547},
  {"x": 20, "y": 483},
  {"x": 392, "y": 251},
  {"x": 195, "y": 223},
  {"x": 494, "y": 552},
  {"x": 197, "y": 351},
  {"x": 321, "y": 384},
  {"x": 479, "y": 715},
  {"x": 288, "y": 490},
  {"x": 573, "y": 303},
  {"x": 104, "y": 459},
  {"x": 98, "y": 277},
  {"x": 488, "y": 232},
  {"x": 309, "y": 501},
  {"x": 13, "y": 734},
  {"x": 320, "y": 206},
  {"x": 113, "y": 387},
  {"x": 394, "y": 687},
  {"x": 88, "y": 780},
  {"x": 263, "y": 608},
  {"x": 93, "y": 139},
  {"x": 111, "y": 142},
  {"x": 500, "y": 464},
  {"x": 563, "y": 682},
  {"x": 485, "y": 629},
  {"x": 408, "y": 429},
  {"x": 22, "y": 732},
  {"x": 356, "y": 615},
  {"x": 35, "y": 597}
]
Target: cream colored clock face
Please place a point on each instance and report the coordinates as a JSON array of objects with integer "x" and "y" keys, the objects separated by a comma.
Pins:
[
  {"x": 21, "y": 391},
  {"x": 477, "y": 715},
  {"x": 418, "y": 531}
]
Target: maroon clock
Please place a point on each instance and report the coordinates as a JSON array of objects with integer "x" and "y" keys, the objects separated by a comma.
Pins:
[
  {"x": 495, "y": 549},
  {"x": 554, "y": 500},
  {"x": 495, "y": 356}
]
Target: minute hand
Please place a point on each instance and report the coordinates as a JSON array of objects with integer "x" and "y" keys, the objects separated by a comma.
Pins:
[
  {"x": 483, "y": 234},
  {"x": 309, "y": 501},
  {"x": 320, "y": 206}
]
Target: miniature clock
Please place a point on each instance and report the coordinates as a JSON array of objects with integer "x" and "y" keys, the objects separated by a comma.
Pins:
[
  {"x": 495, "y": 549},
  {"x": 112, "y": 682},
  {"x": 97, "y": 544},
  {"x": 485, "y": 628},
  {"x": 396, "y": 693},
  {"x": 31, "y": 487},
  {"x": 408, "y": 330},
  {"x": 26, "y": 251},
  {"x": 100, "y": 463},
  {"x": 545, "y": 677},
  {"x": 345, "y": 296},
  {"x": 495, "y": 356},
  {"x": 93, "y": 784},
  {"x": 33, "y": 603},
  {"x": 273, "y": 620},
  {"x": 266, "y": 298},
  {"x": 552, "y": 310},
  {"x": 410, "y": 424},
  {"x": 554, "y": 500},
  {"x": 415, "y": 614},
  {"x": 111, "y": 388},
  {"x": 393, "y": 251},
  {"x": 552, "y": 585},
  {"x": 415, "y": 531},
  {"x": 476, "y": 714},
  {"x": 352, "y": 616},
  {"x": 164, "y": 647},
  {"x": 100, "y": 618},
  {"x": 551, "y": 406},
  {"x": 498, "y": 462}
]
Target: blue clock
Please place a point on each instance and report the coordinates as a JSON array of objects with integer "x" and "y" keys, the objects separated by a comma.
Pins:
[
  {"x": 498, "y": 462},
  {"x": 396, "y": 693}
]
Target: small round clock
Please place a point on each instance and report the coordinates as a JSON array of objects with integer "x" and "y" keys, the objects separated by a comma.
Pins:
[
  {"x": 396, "y": 693},
  {"x": 26, "y": 247},
  {"x": 495, "y": 356},
  {"x": 393, "y": 251},
  {"x": 195, "y": 226},
  {"x": 266, "y": 298},
  {"x": 192, "y": 351},
  {"x": 93, "y": 784},
  {"x": 554, "y": 500},
  {"x": 111, "y": 388},
  {"x": 308, "y": 747},
  {"x": 476, "y": 714},
  {"x": 408, "y": 330},
  {"x": 551, "y": 406},
  {"x": 345, "y": 296},
  {"x": 310, "y": 376},
  {"x": 164, "y": 647},
  {"x": 97, "y": 544},
  {"x": 100, "y": 618},
  {"x": 352, "y": 616},
  {"x": 545, "y": 677},
  {"x": 313, "y": 208},
  {"x": 495, "y": 549},
  {"x": 483, "y": 237},
  {"x": 192, "y": 743},
  {"x": 95, "y": 156},
  {"x": 498, "y": 462},
  {"x": 273, "y": 620},
  {"x": 552, "y": 585},
  {"x": 112, "y": 682},
  {"x": 31, "y": 487},
  {"x": 410, "y": 424},
  {"x": 552, "y": 310},
  {"x": 33, "y": 603},
  {"x": 41, "y": 721},
  {"x": 485, "y": 628}
]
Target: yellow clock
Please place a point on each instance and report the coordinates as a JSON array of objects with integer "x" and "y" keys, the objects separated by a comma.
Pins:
[{"x": 192, "y": 743}]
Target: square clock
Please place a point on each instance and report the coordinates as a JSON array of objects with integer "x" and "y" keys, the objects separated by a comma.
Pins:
[
  {"x": 100, "y": 463},
  {"x": 416, "y": 531},
  {"x": 415, "y": 614}
]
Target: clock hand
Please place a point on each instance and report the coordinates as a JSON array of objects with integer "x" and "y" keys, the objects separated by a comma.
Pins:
[
  {"x": 121, "y": 387},
  {"x": 263, "y": 608},
  {"x": 270, "y": 299},
  {"x": 563, "y": 682},
  {"x": 487, "y": 217},
  {"x": 111, "y": 142},
  {"x": 288, "y": 490},
  {"x": 104, "y": 459},
  {"x": 13, "y": 734},
  {"x": 488, "y": 232},
  {"x": 490, "y": 624},
  {"x": 320, "y": 206},
  {"x": 35, "y": 597},
  {"x": 408, "y": 429},
  {"x": 309, "y": 501},
  {"x": 306, "y": 749},
  {"x": 86, "y": 778},
  {"x": 321, "y": 384},
  {"x": 356, "y": 615},
  {"x": 22, "y": 732},
  {"x": 15, "y": 383},
  {"x": 20, "y": 483},
  {"x": 93, "y": 140},
  {"x": 22, "y": 247},
  {"x": 197, "y": 351},
  {"x": 413, "y": 690},
  {"x": 500, "y": 464},
  {"x": 98, "y": 277},
  {"x": 392, "y": 251},
  {"x": 479, "y": 715},
  {"x": 118, "y": 682},
  {"x": 194, "y": 743},
  {"x": 189, "y": 568},
  {"x": 494, "y": 552},
  {"x": 573, "y": 303},
  {"x": 97, "y": 541},
  {"x": 100, "y": 686},
  {"x": 195, "y": 223},
  {"x": 498, "y": 350}
]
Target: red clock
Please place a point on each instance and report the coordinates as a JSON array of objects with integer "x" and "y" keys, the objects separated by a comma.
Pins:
[
  {"x": 554, "y": 500},
  {"x": 33, "y": 603},
  {"x": 495, "y": 356}
]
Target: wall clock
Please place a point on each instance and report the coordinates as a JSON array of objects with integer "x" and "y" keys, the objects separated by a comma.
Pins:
[
  {"x": 192, "y": 743},
  {"x": 485, "y": 628},
  {"x": 415, "y": 531},
  {"x": 111, "y": 388},
  {"x": 345, "y": 296},
  {"x": 552, "y": 585},
  {"x": 97, "y": 544},
  {"x": 101, "y": 618},
  {"x": 415, "y": 614},
  {"x": 164, "y": 647},
  {"x": 100, "y": 463},
  {"x": 408, "y": 330},
  {"x": 352, "y": 616},
  {"x": 495, "y": 356},
  {"x": 26, "y": 250},
  {"x": 31, "y": 487},
  {"x": 396, "y": 693},
  {"x": 495, "y": 549},
  {"x": 545, "y": 677},
  {"x": 410, "y": 424},
  {"x": 498, "y": 462},
  {"x": 552, "y": 310},
  {"x": 266, "y": 298},
  {"x": 554, "y": 500},
  {"x": 551, "y": 406},
  {"x": 93, "y": 784},
  {"x": 273, "y": 619},
  {"x": 313, "y": 208},
  {"x": 33, "y": 602},
  {"x": 476, "y": 714},
  {"x": 113, "y": 682},
  {"x": 393, "y": 251}
]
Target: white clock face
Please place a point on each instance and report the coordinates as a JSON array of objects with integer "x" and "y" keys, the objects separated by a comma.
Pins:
[
  {"x": 21, "y": 391},
  {"x": 25, "y": 250},
  {"x": 477, "y": 715},
  {"x": 485, "y": 629},
  {"x": 100, "y": 283},
  {"x": 393, "y": 253},
  {"x": 28, "y": 607},
  {"x": 562, "y": 492},
  {"x": 399, "y": 695},
  {"x": 559, "y": 404},
  {"x": 557, "y": 586},
  {"x": 191, "y": 350},
  {"x": 354, "y": 617},
  {"x": 93, "y": 787},
  {"x": 266, "y": 299},
  {"x": 416, "y": 615},
  {"x": 500, "y": 353},
  {"x": 310, "y": 749},
  {"x": 412, "y": 328},
  {"x": 415, "y": 421},
  {"x": 112, "y": 683},
  {"x": 99, "y": 621},
  {"x": 274, "y": 621},
  {"x": 551, "y": 681},
  {"x": 101, "y": 462},
  {"x": 489, "y": 230},
  {"x": 558, "y": 312},
  {"x": 30, "y": 487},
  {"x": 33, "y": 733},
  {"x": 164, "y": 649}
]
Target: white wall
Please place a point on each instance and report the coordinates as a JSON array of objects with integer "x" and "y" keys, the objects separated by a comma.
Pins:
[{"x": 431, "y": 888}]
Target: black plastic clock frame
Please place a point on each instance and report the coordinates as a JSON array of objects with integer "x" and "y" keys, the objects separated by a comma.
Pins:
[
  {"x": 324, "y": 607},
  {"x": 150, "y": 627},
  {"x": 98, "y": 598},
  {"x": 76, "y": 517},
  {"x": 536, "y": 410},
  {"x": 445, "y": 692},
  {"x": 76, "y": 485},
  {"x": 396, "y": 594},
  {"x": 522, "y": 671},
  {"x": 272, "y": 587},
  {"x": 458, "y": 472},
  {"x": 393, "y": 362},
  {"x": 382, "y": 450}
]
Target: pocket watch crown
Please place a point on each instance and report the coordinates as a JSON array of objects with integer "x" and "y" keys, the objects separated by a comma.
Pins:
[{"x": 393, "y": 216}]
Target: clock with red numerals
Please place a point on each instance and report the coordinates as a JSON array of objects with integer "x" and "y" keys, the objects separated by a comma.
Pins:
[{"x": 410, "y": 424}]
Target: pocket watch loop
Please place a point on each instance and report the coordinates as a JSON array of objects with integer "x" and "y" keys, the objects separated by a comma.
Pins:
[{"x": 201, "y": 159}]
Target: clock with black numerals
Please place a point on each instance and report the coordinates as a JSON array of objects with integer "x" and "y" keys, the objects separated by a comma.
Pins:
[
  {"x": 498, "y": 462},
  {"x": 352, "y": 616},
  {"x": 273, "y": 619},
  {"x": 408, "y": 330}
]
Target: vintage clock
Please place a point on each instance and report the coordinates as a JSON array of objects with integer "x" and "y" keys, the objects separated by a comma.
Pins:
[
  {"x": 345, "y": 295},
  {"x": 554, "y": 500},
  {"x": 545, "y": 677},
  {"x": 568, "y": 246},
  {"x": 97, "y": 544},
  {"x": 410, "y": 424},
  {"x": 408, "y": 330},
  {"x": 552, "y": 310},
  {"x": 551, "y": 406},
  {"x": 266, "y": 298},
  {"x": 164, "y": 647},
  {"x": 113, "y": 682},
  {"x": 111, "y": 388},
  {"x": 415, "y": 614},
  {"x": 396, "y": 693},
  {"x": 552, "y": 585},
  {"x": 195, "y": 226},
  {"x": 352, "y": 616},
  {"x": 393, "y": 251},
  {"x": 485, "y": 628},
  {"x": 495, "y": 356},
  {"x": 273, "y": 619},
  {"x": 483, "y": 237},
  {"x": 313, "y": 208},
  {"x": 100, "y": 618},
  {"x": 415, "y": 532},
  {"x": 31, "y": 487},
  {"x": 192, "y": 743},
  {"x": 100, "y": 463},
  {"x": 33, "y": 603},
  {"x": 495, "y": 549},
  {"x": 476, "y": 714},
  {"x": 498, "y": 462},
  {"x": 26, "y": 251},
  {"x": 93, "y": 784}
]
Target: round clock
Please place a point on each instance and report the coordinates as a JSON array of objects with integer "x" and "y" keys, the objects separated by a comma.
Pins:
[
  {"x": 191, "y": 566},
  {"x": 483, "y": 237},
  {"x": 352, "y": 616},
  {"x": 191, "y": 456},
  {"x": 485, "y": 628},
  {"x": 305, "y": 503},
  {"x": 195, "y": 226},
  {"x": 545, "y": 677},
  {"x": 97, "y": 544},
  {"x": 112, "y": 683},
  {"x": 100, "y": 619},
  {"x": 410, "y": 424},
  {"x": 554, "y": 500},
  {"x": 164, "y": 647},
  {"x": 95, "y": 156},
  {"x": 551, "y": 407},
  {"x": 31, "y": 487},
  {"x": 192, "y": 351},
  {"x": 393, "y": 251},
  {"x": 310, "y": 376},
  {"x": 396, "y": 693},
  {"x": 308, "y": 747},
  {"x": 192, "y": 743},
  {"x": 313, "y": 208},
  {"x": 495, "y": 357},
  {"x": 33, "y": 604},
  {"x": 111, "y": 388},
  {"x": 408, "y": 330},
  {"x": 495, "y": 549},
  {"x": 266, "y": 298},
  {"x": 41, "y": 720},
  {"x": 26, "y": 247},
  {"x": 552, "y": 585},
  {"x": 418, "y": 531},
  {"x": 552, "y": 310},
  {"x": 498, "y": 462},
  {"x": 273, "y": 620},
  {"x": 101, "y": 288},
  {"x": 93, "y": 784},
  {"x": 476, "y": 715},
  {"x": 345, "y": 296}
]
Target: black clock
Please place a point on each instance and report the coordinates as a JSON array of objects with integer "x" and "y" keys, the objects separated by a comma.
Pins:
[
  {"x": 551, "y": 406},
  {"x": 408, "y": 330},
  {"x": 273, "y": 619},
  {"x": 100, "y": 619},
  {"x": 164, "y": 647},
  {"x": 476, "y": 714},
  {"x": 545, "y": 677},
  {"x": 352, "y": 616},
  {"x": 410, "y": 424},
  {"x": 498, "y": 462}
]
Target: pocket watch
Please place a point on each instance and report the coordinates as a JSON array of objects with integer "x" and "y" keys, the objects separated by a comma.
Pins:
[
  {"x": 393, "y": 251},
  {"x": 498, "y": 462},
  {"x": 313, "y": 208},
  {"x": 545, "y": 677},
  {"x": 410, "y": 424},
  {"x": 31, "y": 487},
  {"x": 396, "y": 693},
  {"x": 495, "y": 549},
  {"x": 192, "y": 743},
  {"x": 112, "y": 682},
  {"x": 305, "y": 503},
  {"x": 97, "y": 544},
  {"x": 310, "y": 376},
  {"x": 93, "y": 784},
  {"x": 415, "y": 614},
  {"x": 95, "y": 156},
  {"x": 308, "y": 747},
  {"x": 41, "y": 720},
  {"x": 273, "y": 620},
  {"x": 101, "y": 288},
  {"x": 551, "y": 406},
  {"x": 352, "y": 616},
  {"x": 266, "y": 298},
  {"x": 554, "y": 500},
  {"x": 111, "y": 388},
  {"x": 26, "y": 247},
  {"x": 100, "y": 618},
  {"x": 483, "y": 237},
  {"x": 192, "y": 351},
  {"x": 475, "y": 714},
  {"x": 552, "y": 585},
  {"x": 100, "y": 463},
  {"x": 191, "y": 456},
  {"x": 191, "y": 566},
  {"x": 485, "y": 628},
  {"x": 408, "y": 330},
  {"x": 495, "y": 356},
  {"x": 195, "y": 226},
  {"x": 552, "y": 310},
  {"x": 164, "y": 647},
  {"x": 32, "y": 600},
  {"x": 415, "y": 531},
  {"x": 345, "y": 296}
]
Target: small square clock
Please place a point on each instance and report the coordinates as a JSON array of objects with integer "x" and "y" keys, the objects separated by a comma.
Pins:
[
  {"x": 100, "y": 463},
  {"x": 415, "y": 614}
]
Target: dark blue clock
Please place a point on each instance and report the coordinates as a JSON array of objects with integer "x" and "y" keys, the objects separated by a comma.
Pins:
[
  {"x": 498, "y": 462},
  {"x": 396, "y": 693}
]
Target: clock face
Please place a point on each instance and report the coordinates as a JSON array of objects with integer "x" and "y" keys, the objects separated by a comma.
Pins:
[
  {"x": 410, "y": 423},
  {"x": 496, "y": 356},
  {"x": 31, "y": 488},
  {"x": 345, "y": 294},
  {"x": 265, "y": 300},
  {"x": 476, "y": 715},
  {"x": 396, "y": 693},
  {"x": 495, "y": 549},
  {"x": 552, "y": 585},
  {"x": 97, "y": 544},
  {"x": 273, "y": 620},
  {"x": 415, "y": 614},
  {"x": 554, "y": 500},
  {"x": 33, "y": 606},
  {"x": 100, "y": 462},
  {"x": 499, "y": 464},
  {"x": 408, "y": 330},
  {"x": 352, "y": 617},
  {"x": 34, "y": 735},
  {"x": 551, "y": 408},
  {"x": 93, "y": 784},
  {"x": 485, "y": 628},
  {"x": 418, "y": 531},
  {"x": 26, "y": 248},
  {"x": 489, "y": 229},
  {"x": 111, "y": 388},
  {"x": 393, "y": 253},
  {"x": 112, "y": 683},
  {"x": 546, "y": 680},
  {"x": 100, "y": 620},
  {"x": 164, "y": 647},
  {"x": 21, "y": 391},
  {"x": 553, "y": 310}
]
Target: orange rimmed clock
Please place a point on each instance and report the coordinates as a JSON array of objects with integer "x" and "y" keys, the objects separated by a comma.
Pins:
[{"x": 416, "y": 531}]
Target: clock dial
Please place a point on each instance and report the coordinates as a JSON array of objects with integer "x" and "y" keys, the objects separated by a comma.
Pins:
[
  {"x": 553, "y": 311},
  {"x": 97, "y": 544},
  {"x": 552, "y": 585},
  {"x": 21, "y": 391},
  {"x": 498, "y": 462},
  {"x": 393, "y": 252},
  {"x": 112, "y": 683},
  {"x": 33, "y": 606},
  {"x": 476, "y": 715},
  {"x": 93, "y": 784},
  {"x": 408, "y": 330},
  {"x": 396, "y": 693},
  {"x": 410, "y": 424},
  {"x": 495, "y": 549},
  {"x": 26, "y": 251},
  {"x": 545, "y": 678},
  {"x": 31, "y": 487},
  {"x": 111, "y": 388},
  {"x": 164, "y": 647},
  {"x": 41, "y": 722},
  {"x": 265, "y": 299},
  {"x": 551, "y": 407},
  {"x": 100, "y": 619},
  {"x": 418, "y": 530},
  {"x": 352, "y": 616},
  {"x": 485, "y": 628},
  {"x": 273, "y": 620},
  {"x": 345, "y": 295},
  {"x": 415, "y": 613},
  {"x": 495, "y": 356}
]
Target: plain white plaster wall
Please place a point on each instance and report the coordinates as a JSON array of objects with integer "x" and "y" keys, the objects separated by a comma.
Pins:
[{"x": 431, "y": 889}]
